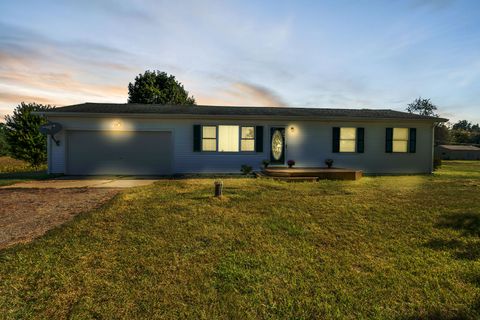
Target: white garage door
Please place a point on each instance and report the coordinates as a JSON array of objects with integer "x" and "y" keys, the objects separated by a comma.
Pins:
[{"x": 119, "y": 152}]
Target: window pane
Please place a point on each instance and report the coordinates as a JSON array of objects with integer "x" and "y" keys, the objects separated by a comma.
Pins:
[
  {"x": 400, "y": 133},
  {"x": 399, "y": 146},
  {"x": 348, "y": 133},
  {"x": 248, "y": 132},
  {"x": 248, "y": 145},
  {"x": 209, "y": 132},
  {"x": 347, "y": 145},
  {"x": 209, "y": 145},
  {"x": 228, "y": 138}
]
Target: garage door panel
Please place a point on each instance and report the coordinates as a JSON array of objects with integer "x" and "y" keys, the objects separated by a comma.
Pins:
[{"x": 119, "y": 152}]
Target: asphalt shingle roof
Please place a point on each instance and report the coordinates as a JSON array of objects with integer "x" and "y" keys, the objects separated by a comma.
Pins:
[{"x": 112, "y": 108}]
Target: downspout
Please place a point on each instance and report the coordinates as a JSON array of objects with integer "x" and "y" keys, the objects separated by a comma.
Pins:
[
  {"x": 433, "y": 148},
  {"x": 49, "y": 155}
]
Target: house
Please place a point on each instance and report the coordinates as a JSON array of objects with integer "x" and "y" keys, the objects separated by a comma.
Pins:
[
  {"x": 457, "y": 152},
  {"x": 137, "y": 139}
]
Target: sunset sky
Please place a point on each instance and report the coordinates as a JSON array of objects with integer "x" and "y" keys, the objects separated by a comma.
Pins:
[{"x": 342, "y": 54}]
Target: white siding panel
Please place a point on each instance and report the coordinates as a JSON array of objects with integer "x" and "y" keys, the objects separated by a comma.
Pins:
[{"x": 56, "y": 154}]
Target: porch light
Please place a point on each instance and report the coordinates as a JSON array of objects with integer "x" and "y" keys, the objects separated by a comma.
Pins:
[
  {"x": 292, "y": 129},
  {"x": 117, "y": 124}
]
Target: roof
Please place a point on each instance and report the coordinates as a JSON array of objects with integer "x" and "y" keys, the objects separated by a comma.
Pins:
[
  {"x": 216, "y": 111},
  {"x": 459, "y": 147}
]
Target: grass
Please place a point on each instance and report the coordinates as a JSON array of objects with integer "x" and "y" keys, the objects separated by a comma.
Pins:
[
  {"x": 13, "y": 170},
  {"x": 379, "y": 248}
]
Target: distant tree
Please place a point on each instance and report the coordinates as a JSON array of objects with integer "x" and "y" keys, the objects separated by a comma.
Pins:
[
  {"x": 464, "y": 131},
  {"x": 423, "y": 107},
  {"x": 442, "y": 134},
  {"x": 462, "y": 125},
  {"x": 159, "y": 88},
  {"x": 23, "y": 136},
  {"x": 3, "y": 141}
]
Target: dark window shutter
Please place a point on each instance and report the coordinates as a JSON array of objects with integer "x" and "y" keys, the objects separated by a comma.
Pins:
[
  {"x": 336, "y": 139},
  {"x": 412, "y": 145},
  {"x": 258, "y": 139},
  {"x": 360, "y": 140},
  {"x": 197, "y": 138},
  {"x": 389, "y": 140}
]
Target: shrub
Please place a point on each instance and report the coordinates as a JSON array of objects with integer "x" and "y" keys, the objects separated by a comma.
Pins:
[
  {"x": 329, "y": 162},
  {"x": 291, "y": 163},
  {"x": 246, "y": 169},
  {"x": 265, "y": 163},
  {"x": 437, "y": 163}
]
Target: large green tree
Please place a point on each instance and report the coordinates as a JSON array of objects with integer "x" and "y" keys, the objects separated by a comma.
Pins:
[
  {"x": 23, "y": 136},
  {"x": 423, "y": 107},
  {"x": 159, "y": 88}
]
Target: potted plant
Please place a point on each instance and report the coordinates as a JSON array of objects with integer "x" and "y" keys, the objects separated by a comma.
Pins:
[
  {"x": 329, "y": 163},
  {"x": 265, "y": 163},
  {"x": 246, "y": 169},
  {"x": 290, "y": 163}
]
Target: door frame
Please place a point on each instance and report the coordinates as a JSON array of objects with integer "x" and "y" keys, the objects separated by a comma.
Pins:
[{"x": 272, "y": 161}]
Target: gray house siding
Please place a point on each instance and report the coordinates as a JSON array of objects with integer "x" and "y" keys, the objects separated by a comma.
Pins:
[{"x": 309, "y": 143}]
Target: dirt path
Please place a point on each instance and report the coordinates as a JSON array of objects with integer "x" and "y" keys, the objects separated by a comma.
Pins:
[{"x": 28, "y": 213}]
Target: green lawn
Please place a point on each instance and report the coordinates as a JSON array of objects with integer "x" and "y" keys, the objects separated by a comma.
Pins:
[
  {"x": 382, "y": 247},
  {"x": 12, "y": 171}
]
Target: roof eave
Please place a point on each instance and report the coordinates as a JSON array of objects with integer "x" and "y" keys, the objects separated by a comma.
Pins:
[{"x": 248, "y": 117}]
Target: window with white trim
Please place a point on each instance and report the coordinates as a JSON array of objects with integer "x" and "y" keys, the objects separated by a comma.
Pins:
[
  {"x": 348, "y": 138},
  {"x": 209, "y": 138},
  {"x": 400, "y": 140}
]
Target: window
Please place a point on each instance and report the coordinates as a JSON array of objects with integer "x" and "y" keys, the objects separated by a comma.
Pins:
[
  {"x": 348, "y": 139},
  {"x": 209, "y": 138},
  {"x": 224, "y": 138},
  {"x": 228, "y": 138},
  {"x": 400, "y": 140},
  {"x": 247, "y": 142}
]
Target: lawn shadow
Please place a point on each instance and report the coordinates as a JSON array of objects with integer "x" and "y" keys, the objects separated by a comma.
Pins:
[
  {"x": 465, "y": 247},
  {"x": 468, "y": 223},
  {"x": 441, "y": 315}
]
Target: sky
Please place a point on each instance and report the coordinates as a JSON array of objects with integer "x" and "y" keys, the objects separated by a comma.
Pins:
[{"x": 331, "y": 54}]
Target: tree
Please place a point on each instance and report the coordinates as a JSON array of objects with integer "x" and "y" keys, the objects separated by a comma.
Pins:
[
  {"x": 462, "y": 125},
  {"x": 159, "y": 88},
  {"x": 23, "y": 136},
  {"x": 426, "y": 108},
  {"x": 3, "y": 141},
  {"x": 423, "y": 107},
  {"x": 464, "y": 131},
  {"x": 441, "y": 134}
]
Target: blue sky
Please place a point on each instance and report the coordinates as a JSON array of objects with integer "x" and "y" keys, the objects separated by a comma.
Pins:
[{"x": 345, "y": 54}]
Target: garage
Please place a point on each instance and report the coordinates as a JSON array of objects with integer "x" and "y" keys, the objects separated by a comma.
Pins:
[{"x": 119, "y": 153}]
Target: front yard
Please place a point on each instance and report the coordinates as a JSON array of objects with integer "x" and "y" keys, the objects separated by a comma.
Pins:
[{"x": 382, "y": 247}]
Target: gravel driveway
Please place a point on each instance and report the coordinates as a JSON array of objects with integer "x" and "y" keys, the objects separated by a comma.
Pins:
[{"x": 28, "y": 213}]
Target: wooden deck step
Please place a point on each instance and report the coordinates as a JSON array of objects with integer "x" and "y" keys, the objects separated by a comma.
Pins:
[
  {"x": 297, "y": 179},
  {"x": 318, "y": 173}
]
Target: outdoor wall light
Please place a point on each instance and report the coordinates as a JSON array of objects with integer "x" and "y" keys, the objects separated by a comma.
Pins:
[
  {"x": 292, "y": 129},
  {"x": 117, "y": 124}
]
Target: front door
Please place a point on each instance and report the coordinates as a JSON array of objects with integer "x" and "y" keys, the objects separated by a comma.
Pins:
[{"x": 277, "y": 145}]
